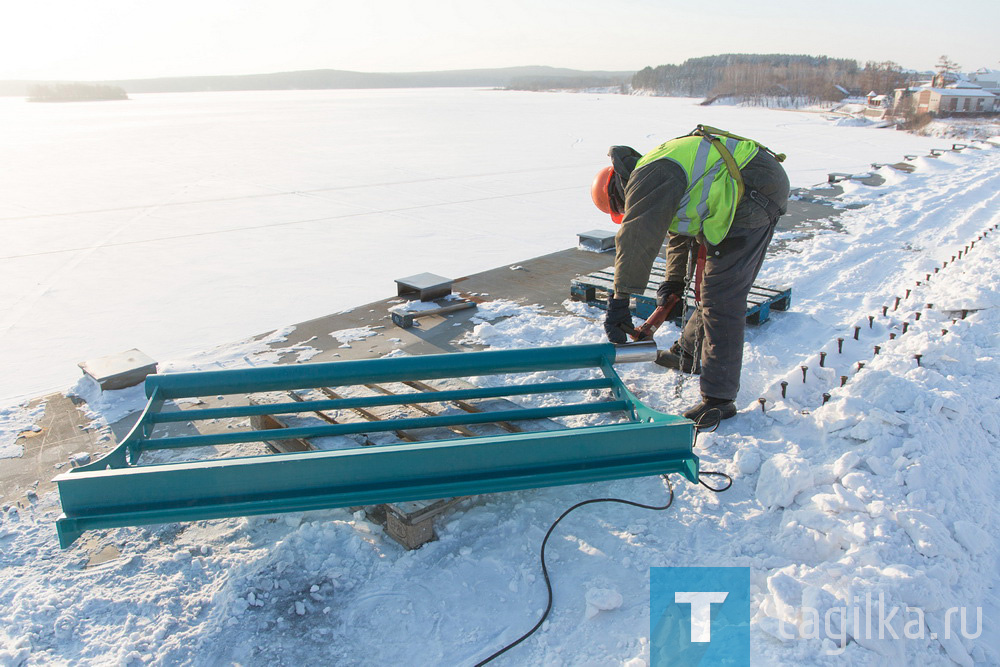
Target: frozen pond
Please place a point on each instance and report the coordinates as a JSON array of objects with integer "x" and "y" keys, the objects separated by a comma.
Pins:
[{"x": 175, "y": 222}]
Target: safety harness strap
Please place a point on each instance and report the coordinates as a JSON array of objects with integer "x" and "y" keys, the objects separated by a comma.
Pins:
[
  {"x": 705, "y": 129},
  {"x": 762, "y": 200},
  {"x": 772, "y": 209},
  {"x": 727, "y": 157}
]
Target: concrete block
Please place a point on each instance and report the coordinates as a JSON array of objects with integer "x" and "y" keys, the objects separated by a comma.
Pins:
[
  {"x": 412, "y": 523},
  {"x": 118, "y": 371},
  {"x": 411, "y": 535}
]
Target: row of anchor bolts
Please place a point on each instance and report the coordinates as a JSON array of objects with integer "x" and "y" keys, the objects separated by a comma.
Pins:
[{"x": 892, "y": 335}]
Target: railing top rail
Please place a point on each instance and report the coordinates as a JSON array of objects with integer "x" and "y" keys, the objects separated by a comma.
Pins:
[{"x": 395, "y": 369}]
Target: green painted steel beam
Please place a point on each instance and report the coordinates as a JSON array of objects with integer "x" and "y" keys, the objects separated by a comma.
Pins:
[
  {"x": 294, "y": 407},
  {"x": 297, "y": 482},
  {"x": 115, "y": 491},
  {"x": 368, "y": 371}
]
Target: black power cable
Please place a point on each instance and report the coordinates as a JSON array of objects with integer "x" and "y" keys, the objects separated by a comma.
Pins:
[
  {"x": 545, "y": 569},
  {"x": 712, "y": 473},
  {"x": 548, "y": 534}
]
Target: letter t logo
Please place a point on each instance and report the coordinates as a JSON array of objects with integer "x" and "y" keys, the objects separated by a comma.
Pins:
[{"x": 701, "y": 612}]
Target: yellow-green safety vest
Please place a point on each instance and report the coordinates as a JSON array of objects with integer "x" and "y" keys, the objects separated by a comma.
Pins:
[{"x": 712, "y": 193}]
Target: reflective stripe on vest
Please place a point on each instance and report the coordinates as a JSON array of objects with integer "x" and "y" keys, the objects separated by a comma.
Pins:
[{"x": 709, "y": 201}]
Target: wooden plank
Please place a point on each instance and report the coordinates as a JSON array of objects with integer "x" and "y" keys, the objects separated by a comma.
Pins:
[
  {"x": 463, "y": 405},
  {"x": 284, "y": 446},
  {"x": 325, "y": 417},
  {"x": 365, "y": 414},
  {"x": 461, "y": 430}
]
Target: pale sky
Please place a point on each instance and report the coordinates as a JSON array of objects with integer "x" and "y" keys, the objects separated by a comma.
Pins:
[{"x": 119, "y": 39}]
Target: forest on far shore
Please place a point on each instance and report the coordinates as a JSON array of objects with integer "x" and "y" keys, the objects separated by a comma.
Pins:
[
  {"x": 75, "y": 92},
  {"x": 762, "y": 76}
]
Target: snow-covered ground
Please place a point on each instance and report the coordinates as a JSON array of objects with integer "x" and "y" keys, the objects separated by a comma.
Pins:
[
  {"x": 887, "y": 490},
  {"x": 173, "y": 223},
  {"x": 962, "y": 128}
]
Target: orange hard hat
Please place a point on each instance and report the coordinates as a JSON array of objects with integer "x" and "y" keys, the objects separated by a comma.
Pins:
[{"x": 599, "y": 192}]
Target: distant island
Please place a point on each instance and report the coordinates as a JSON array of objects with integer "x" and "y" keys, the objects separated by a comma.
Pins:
[{"x": 75, "y": 92}]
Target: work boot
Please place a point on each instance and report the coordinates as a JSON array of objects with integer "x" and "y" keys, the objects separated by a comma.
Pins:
[
  {"x": 711, "y": 411},
  {"x": 678, "y": 359}
]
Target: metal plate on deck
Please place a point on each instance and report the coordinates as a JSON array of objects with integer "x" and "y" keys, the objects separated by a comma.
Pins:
[
  {"x": 597, "y": 240},
  {"x": 426, "y": 286}
]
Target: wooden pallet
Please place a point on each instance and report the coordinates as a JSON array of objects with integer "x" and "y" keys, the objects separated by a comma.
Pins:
[{"x": 594, "y": 288}]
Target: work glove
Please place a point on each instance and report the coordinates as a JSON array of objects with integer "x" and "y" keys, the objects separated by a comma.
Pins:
[
  {"x": 617, "y": 315},
  {"x": 663, "y": 293},
  {"x": 668, "y": 287}
]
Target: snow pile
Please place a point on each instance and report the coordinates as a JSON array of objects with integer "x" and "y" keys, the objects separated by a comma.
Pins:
[
  {"x": 852, "y": 107},
  {"x": 414, "y": 307},
  {"x": 348, "y": 336},
  {"x": 961, "y": 128},
  {"x": 782, "y": 478},
  {"x": 107, "y": 407},
  {"x": 14, "y": 420},
  {"x": 267, "y": 348},
  {"x": 499, "y": 308},
  {"x": 418, "y": 306},
  {"x": 525, "y": 327},
  {"x": 853, "y": 121},
  {"x": 889, "y": 496},
  {"x": 602, "y": 599}
]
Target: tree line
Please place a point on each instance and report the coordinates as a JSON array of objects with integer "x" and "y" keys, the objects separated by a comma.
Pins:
[
  {"x": 75, "y": 92},
  {"x": 614, "y": 82},
  {"x": 755, "y": 77}
]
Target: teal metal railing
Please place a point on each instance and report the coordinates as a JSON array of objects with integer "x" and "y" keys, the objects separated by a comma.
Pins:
[{"x": 117, "y": 490}]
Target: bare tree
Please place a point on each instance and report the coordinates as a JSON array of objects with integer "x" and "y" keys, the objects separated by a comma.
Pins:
[
  {"x": 948, "y": 71},
  {"x": 881, "y": 77}
]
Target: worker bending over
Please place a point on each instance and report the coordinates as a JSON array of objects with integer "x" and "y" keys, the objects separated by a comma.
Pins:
[{"x": 718, "y": 196}]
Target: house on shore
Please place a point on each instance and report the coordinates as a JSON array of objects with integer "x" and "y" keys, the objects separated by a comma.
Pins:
[
  {"x": 876, "y": 106},
  {"x": 950, "y": 97},
  {"x": 953, "y": 101}
]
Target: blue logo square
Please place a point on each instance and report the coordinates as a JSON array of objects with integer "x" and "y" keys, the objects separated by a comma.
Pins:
[{"x": 699, "y": 616}]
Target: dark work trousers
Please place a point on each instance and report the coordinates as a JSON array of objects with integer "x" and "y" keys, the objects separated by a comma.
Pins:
[{"x": 730, "y": 269}]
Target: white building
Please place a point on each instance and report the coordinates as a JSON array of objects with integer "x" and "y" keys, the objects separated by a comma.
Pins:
[
  {"x": 987, "y": 79},
  {"x": 972, "y": 96},
  {"x": 951, "y": 101}
]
